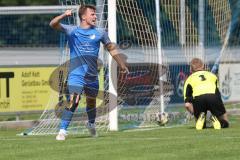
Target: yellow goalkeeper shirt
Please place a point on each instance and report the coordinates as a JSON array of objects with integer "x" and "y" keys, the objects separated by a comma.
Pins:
[{"x": 199, "y": 83}]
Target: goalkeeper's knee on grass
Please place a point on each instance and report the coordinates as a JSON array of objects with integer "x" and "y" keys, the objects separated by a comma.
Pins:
[{"x": 224, "y": 123}]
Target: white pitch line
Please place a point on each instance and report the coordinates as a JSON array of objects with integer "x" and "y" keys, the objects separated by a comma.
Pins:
[
  {"x": 149, "y": 129},
  {"x": 171, "y": 138},
  {"x": 11, "y": 139},
  {"x": 139, "y": 138}
]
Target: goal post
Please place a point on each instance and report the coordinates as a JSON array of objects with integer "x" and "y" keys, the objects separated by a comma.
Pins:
[
  {"x": 159, "y": 51},
  {"x": 112, "y": 31}
]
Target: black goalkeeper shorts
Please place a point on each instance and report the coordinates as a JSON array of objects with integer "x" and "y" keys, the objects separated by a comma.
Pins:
[{"x": 211, "y": 102}]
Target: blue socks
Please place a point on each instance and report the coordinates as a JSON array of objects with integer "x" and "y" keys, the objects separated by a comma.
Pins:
[
  {"x": 91, "y": 112},
  {"x": 68, "y": 114},
  {"x": 66, "y": 119}
]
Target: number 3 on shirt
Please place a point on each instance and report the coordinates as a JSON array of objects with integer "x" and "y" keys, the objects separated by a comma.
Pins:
[{"x": 202, "y": 77}]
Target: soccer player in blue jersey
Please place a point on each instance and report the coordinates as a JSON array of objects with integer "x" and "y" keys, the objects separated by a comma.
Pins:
[{"x": 84, "y": 43}]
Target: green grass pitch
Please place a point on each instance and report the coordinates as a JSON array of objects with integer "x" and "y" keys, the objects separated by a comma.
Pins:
[{"x": 179, "y": 143}]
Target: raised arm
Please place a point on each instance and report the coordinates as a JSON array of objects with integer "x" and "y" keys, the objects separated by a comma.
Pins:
[
  {"x": 111, "y": 47},
  {"x": 55, "y": 22}
]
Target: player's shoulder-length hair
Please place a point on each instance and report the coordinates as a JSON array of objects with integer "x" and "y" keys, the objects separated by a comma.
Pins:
[
  {"x": 196, "y": 65},
  {"x": 83, "y": 8}
]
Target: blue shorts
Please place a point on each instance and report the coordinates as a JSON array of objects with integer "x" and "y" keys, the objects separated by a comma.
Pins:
[{"x": 89, "y": 86}]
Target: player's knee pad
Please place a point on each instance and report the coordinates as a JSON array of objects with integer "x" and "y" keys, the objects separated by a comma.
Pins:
[
  {"x": 74, "y": 102},
  {"x": 224, "y": 123}
]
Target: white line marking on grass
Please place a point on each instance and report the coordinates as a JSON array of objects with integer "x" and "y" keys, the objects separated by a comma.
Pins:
[
  {"x": 11, "y": 139},
  {"x": 151, "y": 138},
  {"x": 170, "y": 138},
  {"x": 142, "y": 138},
  {"x": 149, "y": 129},
  {"x": 230, "y": 137}
]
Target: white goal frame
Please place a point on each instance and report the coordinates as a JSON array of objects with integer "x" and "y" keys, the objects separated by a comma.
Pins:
[{"x": 112, "y": 31}]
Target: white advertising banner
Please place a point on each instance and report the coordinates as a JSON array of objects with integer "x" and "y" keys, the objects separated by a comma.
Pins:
[{"x": 229, "y": 80}]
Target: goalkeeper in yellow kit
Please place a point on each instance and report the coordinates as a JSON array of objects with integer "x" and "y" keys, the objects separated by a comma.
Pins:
[{"x": 201, "y": 94}]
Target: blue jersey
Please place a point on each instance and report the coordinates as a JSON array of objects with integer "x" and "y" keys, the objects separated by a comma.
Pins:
[{"x": 84, "y": 47}]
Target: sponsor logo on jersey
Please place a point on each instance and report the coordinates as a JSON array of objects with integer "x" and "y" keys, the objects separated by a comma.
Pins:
[{"x": 93, "y": 36}]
